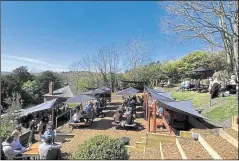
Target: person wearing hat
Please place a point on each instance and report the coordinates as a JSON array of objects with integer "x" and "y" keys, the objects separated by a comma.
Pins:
[{"x": 16, "y": 145}]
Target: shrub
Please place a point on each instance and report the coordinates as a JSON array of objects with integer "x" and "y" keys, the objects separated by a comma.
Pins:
[{"x": 101, "y": 148}]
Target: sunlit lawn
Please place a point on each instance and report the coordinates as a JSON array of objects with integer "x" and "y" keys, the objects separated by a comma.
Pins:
[
  {"x": 224, "y": 111},
  {"x": 198, "y": 99},
  {"x": 220, "y": 112}
]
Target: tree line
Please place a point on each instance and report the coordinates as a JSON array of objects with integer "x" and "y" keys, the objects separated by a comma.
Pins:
[{"x": 30, "y": 87}]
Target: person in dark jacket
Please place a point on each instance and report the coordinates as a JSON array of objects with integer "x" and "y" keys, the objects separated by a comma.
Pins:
[
  {"x": 133, "y": 105},
  {"x": 215, "y": 90}
]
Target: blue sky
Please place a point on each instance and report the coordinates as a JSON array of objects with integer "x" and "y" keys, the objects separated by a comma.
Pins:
[{"x": 52, "y": 35}]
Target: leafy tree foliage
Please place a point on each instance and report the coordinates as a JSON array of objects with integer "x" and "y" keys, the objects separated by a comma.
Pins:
[
  {"x": 101, "y": 148},
  {"x": 22, "y": 74},
  {"x": 45, "y": 78}
]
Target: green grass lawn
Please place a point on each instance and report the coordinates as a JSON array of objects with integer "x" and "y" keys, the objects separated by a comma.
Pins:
[
  {"x": 224, "y": 111},
  {"x": 221, "y": 112},
  {"x": 72, "y": 105},
  {"x": 198, "y": 99}
]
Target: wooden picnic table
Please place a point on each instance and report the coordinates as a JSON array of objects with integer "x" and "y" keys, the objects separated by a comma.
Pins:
[{"x": 33, "y": 152}]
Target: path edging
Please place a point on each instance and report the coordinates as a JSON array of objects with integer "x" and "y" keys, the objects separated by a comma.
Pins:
[
  {"x": 208, "y": 148},
  {"x": 182, "y": 153}
]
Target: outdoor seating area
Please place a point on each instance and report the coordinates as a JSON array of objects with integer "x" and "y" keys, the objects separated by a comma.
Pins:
[{"x": 120, "y": 81}]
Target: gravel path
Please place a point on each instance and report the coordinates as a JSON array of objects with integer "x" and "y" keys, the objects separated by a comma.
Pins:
[
  {"x": 193, "y": 149},
  {"x": 150, "y": 154},
  {"x": 170, "y": 151},
  {"x": 232, "y": 132},
  {"x": 224, "y": 148},
  {"x": 102, "y": 126}
]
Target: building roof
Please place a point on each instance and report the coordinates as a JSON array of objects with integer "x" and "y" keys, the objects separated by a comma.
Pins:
[{"x": 62, "y": 92}]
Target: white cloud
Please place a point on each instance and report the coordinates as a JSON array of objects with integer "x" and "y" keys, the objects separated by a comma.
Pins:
[
  {"x": 13, "y": 62},
  {"x": 28, "y": 60}
]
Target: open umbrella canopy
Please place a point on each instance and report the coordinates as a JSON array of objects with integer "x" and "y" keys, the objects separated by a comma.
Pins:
[
  {"x": 94, "y": 92},
  {"x": 79, "y": 99},
  {"x": 105, "y": 88},
  {"x": 202, "y": 69},
  {"x": 127, "y": 92},
  {"x": 43, "y": 106}
]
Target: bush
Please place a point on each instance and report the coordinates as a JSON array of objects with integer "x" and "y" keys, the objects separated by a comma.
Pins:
[{"x": 101, "y": 148}]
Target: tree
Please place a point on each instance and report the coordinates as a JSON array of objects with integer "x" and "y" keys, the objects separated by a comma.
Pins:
[
  {"x": 14, "y": 104},
  {"x": 45, "y": 78},
  {"x": 137, "y": 53},
  {"x": 215, "y": 22},
  {"x": 31, "y": 87},
  {"x": 22, "y": 74},
  {"x": 108, "y": 61},
  {"x": 30, "y": 92},
  {"x": 9, "y": 85},
  {"x": 101, "y": 148}
]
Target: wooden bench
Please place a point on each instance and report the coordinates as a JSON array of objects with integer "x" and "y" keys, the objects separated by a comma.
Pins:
[
  {"x": 74, "y": 125},
  {"x": 125, "y": 125}
]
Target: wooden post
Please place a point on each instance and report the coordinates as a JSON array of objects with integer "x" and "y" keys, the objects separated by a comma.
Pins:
[
  {"x": 148, "y": 107},
  {"x": 154, "y": 117}
]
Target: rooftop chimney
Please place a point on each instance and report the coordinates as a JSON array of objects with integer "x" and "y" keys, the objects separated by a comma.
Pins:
[{"x": 51, "y": 88}]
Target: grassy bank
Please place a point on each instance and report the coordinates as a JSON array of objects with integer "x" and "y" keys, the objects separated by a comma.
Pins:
[
  {"x": 198, "y": 99},
  {"x": 224, "y": 111}
]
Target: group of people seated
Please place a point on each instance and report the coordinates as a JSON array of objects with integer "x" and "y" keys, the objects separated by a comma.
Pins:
[
  {"x": 90, "y": 110},
  {"x": 130, "y": 102},
  {"x": 13, "y": 149},
  {"x": 124, "y": 119}
]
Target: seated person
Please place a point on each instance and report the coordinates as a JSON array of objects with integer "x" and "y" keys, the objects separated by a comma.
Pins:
[
  {"x": 118, "y": 116},
  {"x": 8, "y": 150},
  {"x": 87, "y": 108},
  {"x": 160, "y": 111},
  {"x": 47, "y": 145},
  {"x": 129, "y": 109},
  {"x": 49, "y": 133},
  {"x": 129, "y": 118},
  {"x": 76, "y": 118},
  {"x": 16, "y": 145}
]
